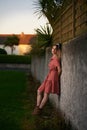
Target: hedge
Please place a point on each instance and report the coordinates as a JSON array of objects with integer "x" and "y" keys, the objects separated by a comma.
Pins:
[{"x": 19, "y": 59}]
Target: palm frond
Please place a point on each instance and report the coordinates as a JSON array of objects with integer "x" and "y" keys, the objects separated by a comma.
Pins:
[
  {"x": 44, "y": 39},
  {"x": 44, "y": 36},
  {"x": 47, "y": 8}
]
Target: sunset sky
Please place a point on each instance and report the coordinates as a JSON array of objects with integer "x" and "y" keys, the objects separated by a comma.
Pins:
[{"x": 18, "y": 16}]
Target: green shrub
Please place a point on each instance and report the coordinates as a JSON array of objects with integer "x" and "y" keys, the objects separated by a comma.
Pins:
[
  {"x": 3, "y": 51},
  {"x": 26, "y": 59}
]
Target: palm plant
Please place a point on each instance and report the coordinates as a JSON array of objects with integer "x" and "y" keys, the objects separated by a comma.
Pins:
[
  {"x": 44, "y": 36},
  {"x": 44, "y": 39},
  {"x": 48, "y": 8}
]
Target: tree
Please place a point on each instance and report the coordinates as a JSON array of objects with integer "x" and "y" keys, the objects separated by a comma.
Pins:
[
  {"x": 48, "y": 8},
  {"x": 11, "y": 41}
]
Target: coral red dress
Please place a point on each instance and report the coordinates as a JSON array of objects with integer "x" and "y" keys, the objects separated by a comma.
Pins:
[{"x": 51, "y": 83}]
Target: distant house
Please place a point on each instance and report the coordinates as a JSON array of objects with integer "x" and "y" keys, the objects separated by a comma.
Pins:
[{"x": 24, "y": 46}]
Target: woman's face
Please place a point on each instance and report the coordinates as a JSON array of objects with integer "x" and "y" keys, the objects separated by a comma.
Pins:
[{"x": 54, "y": 51}]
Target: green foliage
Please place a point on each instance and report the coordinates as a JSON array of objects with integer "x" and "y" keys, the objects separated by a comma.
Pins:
[
  {"x": 51, "y": 9},
  {"x": 3, "y": 51},
  {"x": 48, "y": 8},
  {"x": 44, "y": 36},
  {"x": 37, "y": 51},
  {"x": 11, "y": 41},
  {"x": 15, "y": 59},
  {"x": 44, "y": 39}
]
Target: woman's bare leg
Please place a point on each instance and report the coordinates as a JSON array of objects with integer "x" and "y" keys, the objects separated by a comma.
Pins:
[
  {"x": 44, "y": 100},
  {"x": 40, "y": 102},
  {"x": 39, "y": 97}
]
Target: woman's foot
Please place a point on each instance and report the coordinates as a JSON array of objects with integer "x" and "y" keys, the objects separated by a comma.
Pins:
[{"x": 37, "y": 111}]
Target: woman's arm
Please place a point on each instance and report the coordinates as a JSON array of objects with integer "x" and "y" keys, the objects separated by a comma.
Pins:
[{"x": 59, "y": 70}]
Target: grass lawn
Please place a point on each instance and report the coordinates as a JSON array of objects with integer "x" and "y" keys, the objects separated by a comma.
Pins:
[
  {"x": 17, "y": 101},
  {"x": 17, "y": 98},
  {"x": 12, "y": 88}
]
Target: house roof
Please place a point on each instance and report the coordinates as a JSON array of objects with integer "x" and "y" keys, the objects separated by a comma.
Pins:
[{"x": 24, "y": 38}]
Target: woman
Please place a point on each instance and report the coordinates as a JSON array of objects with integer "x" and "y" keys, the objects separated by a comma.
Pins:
[{"x": 51, "y": 83}]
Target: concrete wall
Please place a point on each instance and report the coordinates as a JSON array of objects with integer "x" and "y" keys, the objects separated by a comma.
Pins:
[
  {"x": 39, "y": 66},
  {"x": 73, "y": 98}
]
